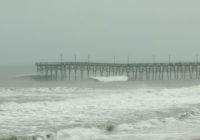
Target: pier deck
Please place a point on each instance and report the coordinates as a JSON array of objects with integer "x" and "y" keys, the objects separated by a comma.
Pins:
[{"x": 135, "y": 71}]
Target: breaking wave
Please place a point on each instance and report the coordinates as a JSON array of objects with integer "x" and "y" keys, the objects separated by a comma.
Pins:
[
  {"x": 61, "y": 113},
  {"x": 28, "y": 76},
  {"x": 111, "y": 78}
]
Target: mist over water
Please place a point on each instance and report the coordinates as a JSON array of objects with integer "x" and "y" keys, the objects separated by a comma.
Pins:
[
  {"x": 98, "y": 108},
  {"x": 88, "y": 109}
]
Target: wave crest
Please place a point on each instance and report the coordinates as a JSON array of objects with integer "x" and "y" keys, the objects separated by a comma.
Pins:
[{"x": 110, "y": 78}]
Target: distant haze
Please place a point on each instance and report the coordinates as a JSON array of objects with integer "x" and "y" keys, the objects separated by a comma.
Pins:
[{"x": 39, "y": 30}]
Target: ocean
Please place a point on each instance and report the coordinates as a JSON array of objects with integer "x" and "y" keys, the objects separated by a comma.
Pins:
[{"x": 32, "y": 109}]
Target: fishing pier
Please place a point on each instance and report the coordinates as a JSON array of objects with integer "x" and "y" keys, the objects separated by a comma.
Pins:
[{"x": 134, "y": 71}]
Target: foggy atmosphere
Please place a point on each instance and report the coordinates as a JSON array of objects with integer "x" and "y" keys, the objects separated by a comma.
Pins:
[{"x": 99, "y": 70}]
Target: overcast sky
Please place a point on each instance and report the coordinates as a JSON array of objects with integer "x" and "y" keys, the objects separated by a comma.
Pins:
[{"x": 39, "y": 30}]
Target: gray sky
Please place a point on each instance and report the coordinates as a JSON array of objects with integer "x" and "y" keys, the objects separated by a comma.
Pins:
[{"x": 39, "y": 30}]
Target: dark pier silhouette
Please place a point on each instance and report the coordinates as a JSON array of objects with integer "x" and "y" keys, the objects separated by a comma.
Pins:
[{"x": 135, "y": 71}]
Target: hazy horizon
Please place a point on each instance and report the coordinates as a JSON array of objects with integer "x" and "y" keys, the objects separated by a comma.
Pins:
[{"x": 36, "y": 30}]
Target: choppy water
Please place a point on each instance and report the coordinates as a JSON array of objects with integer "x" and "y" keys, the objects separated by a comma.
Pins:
[{"x": 90, "y": 110}]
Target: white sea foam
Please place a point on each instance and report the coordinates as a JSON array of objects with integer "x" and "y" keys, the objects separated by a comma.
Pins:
[
  {"x": 111, "y": 78},
  {"x": 78, "y": 113},
  {"x": 79, "y": 133}
]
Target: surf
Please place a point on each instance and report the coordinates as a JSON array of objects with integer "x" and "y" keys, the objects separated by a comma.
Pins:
[{"x": 110, "y": 78}]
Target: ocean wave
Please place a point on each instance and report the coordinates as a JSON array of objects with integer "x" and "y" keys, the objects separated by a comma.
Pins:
[
  {"x": 43, "y": 90},
  {"x": 48, "y": 136},
  {"x": 28, "y": 76},
  {"x": 79, "y": 133},
  {"x": 170, "y": 116},
  {"x": 110, "y": 78},
  {"x": 97, "y": 112}
]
